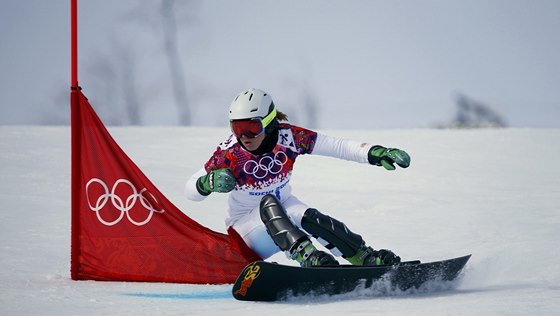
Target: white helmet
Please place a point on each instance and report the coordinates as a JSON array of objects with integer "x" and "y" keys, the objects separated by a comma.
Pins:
[{"x": 251, "y": 103}]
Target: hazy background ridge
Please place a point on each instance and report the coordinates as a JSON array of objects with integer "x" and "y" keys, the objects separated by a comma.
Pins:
[{"x": 328, "y": 64}]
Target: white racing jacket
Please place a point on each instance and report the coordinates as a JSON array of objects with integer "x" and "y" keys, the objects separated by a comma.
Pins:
[{"x": 269, "y": 173}]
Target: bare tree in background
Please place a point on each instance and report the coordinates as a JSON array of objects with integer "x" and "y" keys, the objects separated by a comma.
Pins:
[
  {"x": 104, "y": 81},
  {"x": 310, "y": 107},
  {"x": 114, "y": 75},
  {"x": 164, "y": 19},
  {"x": 305, "y": 108},
  {"x": 114, "y": 98},
  {"x": 59, "y": 111},
  {"x": 472, "y": 113},
  {"x": 127, "y": 71},
  {"x": 175, "y": 65},
  {"x": 113, "y": 78}
]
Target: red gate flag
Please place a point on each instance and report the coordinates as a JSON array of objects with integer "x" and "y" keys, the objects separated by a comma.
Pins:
[{"x": 125, "y": 229}]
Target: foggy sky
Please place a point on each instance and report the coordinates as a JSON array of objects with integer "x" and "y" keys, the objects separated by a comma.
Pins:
[{"x": 366, "y": 64}]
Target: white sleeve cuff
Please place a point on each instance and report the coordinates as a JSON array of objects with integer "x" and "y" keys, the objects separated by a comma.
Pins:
[
  {"x": 341, "y": 148},
  {"x": 191, "y": 192}
]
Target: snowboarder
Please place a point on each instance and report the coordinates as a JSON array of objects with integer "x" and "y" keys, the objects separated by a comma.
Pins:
[{"x": 255, "y": 164}]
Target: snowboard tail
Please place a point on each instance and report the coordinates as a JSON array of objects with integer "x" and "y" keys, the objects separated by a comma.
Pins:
[{"x": 266, "y": 281}]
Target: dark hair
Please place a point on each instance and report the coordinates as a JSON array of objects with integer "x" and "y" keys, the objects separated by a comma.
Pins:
[
  {"x": 281, "y": 116},
  {"x": 273, "y": 126}
]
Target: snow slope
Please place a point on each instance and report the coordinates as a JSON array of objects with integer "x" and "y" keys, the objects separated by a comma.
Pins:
[{"x": 492, "y": 193}]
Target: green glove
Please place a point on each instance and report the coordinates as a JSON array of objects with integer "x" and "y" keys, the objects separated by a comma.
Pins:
[
  {"x": 220, "y": 180},
  {"x": 386, "y": 157}
]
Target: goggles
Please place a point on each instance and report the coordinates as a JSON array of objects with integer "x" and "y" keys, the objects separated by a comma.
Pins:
[{"x": 252, "y": 127}]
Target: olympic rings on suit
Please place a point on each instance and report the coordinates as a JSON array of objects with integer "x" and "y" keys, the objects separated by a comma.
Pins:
[{"x": 266, "y": 165}]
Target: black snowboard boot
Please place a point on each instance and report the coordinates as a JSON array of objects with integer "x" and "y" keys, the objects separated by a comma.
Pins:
[
  {"x": 366, "y": 256},
  {"x": 308, "y": 256},
  {"x": 288, "y": 237}
]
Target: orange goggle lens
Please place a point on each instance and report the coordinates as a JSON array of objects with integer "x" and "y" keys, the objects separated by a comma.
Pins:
[{"x": 250, "y": 128}]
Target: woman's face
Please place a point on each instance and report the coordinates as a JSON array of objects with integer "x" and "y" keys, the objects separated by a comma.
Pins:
[{"x": 252, "y": 143}]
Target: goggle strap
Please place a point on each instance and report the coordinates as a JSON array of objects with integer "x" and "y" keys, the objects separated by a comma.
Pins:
[{"x": 269, "y": 118}]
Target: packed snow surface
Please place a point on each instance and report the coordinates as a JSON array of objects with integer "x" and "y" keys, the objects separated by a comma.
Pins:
[{"x": 494, "y": 194}]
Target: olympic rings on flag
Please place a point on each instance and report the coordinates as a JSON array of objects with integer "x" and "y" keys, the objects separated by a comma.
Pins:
[
  {"x": 266, "y": 165},
  {"x": 123, "y": 206}
]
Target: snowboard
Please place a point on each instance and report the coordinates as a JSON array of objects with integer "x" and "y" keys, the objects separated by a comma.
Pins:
[{"x": 269, "y": 281}]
